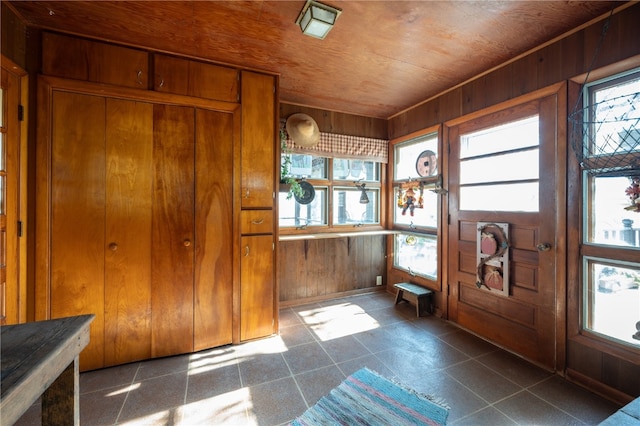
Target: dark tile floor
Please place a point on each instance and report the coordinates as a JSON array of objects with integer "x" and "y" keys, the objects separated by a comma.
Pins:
[{"x": 272, "y": 381}]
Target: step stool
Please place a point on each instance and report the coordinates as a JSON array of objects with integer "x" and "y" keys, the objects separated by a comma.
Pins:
[{"x": 414, "y": 293}]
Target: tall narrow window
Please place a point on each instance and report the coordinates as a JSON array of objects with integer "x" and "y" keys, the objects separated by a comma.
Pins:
[
  {"x": 416, "y": 206},
  {"x": 611, "y": 209}
]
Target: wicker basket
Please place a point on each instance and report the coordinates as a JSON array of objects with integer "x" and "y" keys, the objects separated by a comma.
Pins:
[{"x": 606, "y": 136}]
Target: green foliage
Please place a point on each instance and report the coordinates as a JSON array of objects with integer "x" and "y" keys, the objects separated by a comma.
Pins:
[{"x": 285, "y": 170}]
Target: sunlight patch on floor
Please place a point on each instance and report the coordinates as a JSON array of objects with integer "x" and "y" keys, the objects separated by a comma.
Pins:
[
  {"x": 229, "y": 408},
  {"x": 337, "y": 321},
  {"x": 202, "y": 362},
  {"x": 125, "y": 389},
  {"x": 165, "y": 417}
]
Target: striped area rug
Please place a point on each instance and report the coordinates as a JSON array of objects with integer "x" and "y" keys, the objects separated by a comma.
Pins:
[{"x": 367, "y": 398}]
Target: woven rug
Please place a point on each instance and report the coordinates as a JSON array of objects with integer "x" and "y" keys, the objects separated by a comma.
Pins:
[{"x": 367, "y": 398}]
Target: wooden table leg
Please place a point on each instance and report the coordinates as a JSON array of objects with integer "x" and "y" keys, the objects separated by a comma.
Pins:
[
  {"x": 399, "y": 296},
  {"x": 61, "y": 401}
]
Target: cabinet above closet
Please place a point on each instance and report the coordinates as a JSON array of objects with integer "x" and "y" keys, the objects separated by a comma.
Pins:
[
  {"x": 193, "y": 78},
  {"x": 86, "y": 60}
]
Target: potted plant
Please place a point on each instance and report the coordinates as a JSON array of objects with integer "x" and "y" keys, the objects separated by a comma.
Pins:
[{"x": 287, "y": 181}]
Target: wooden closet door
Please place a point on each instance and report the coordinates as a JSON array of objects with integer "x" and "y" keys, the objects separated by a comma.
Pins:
[
  {"x": 129, "y": 163},
  {"x": 78, "y": 215},
  {"x": 173, "y": 230},
  {"x": 214, "y": 229}
]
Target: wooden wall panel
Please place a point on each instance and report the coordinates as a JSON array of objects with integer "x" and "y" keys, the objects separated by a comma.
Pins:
[
  {"x": 322, "y": 268},
  {"x": 562, "y": 60},
  {"x": 338, "y": 122},
  {"x": 13, "y": 37}
]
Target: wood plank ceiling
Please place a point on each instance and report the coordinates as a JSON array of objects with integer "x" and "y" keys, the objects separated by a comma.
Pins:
[{"x": 381, "y": 58}]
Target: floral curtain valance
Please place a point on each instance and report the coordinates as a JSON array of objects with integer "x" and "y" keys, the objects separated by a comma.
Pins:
[{"x": 345, "y": 146}]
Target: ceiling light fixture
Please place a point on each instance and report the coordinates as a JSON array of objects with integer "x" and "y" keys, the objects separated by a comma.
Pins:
[{"x": 317, "y": 19}]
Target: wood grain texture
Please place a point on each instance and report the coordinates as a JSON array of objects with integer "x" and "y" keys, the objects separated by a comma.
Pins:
[
  {"x": 329, "y": 267},
  {"x": 257, "y": 317},
  {"x": 213, "y": 286},
  {"x": 77, "y": 215},
  {"x": 82, "y": 59},
  {"x": 257, "y": 162},
  {"x": 380, "y": 58},
  {"x": 525, "y": 321},
  {"x": 129, "y": 172},
  {"x": 193, "y": 78},
  {"x": 173, "y": 230}
]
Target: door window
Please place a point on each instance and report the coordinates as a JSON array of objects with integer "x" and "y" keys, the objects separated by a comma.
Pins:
[{"x": 499, "y": 168}]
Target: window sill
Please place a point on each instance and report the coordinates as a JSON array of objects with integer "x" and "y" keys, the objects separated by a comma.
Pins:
[{"x": 298, "y": 237}]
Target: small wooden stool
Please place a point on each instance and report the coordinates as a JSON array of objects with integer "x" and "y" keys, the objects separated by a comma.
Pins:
[{"x": 416, "y": 294}]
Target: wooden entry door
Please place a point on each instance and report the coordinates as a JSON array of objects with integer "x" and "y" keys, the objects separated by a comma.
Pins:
[{"x": 508, "y": 167}]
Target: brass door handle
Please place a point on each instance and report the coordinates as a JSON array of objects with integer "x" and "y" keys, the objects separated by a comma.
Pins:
[
  {"x": 113, "y": 246},
  {"x": 543, "y": 247},
  {"x": 258, "y": 221},
  {"x": 186, "y": 243}
]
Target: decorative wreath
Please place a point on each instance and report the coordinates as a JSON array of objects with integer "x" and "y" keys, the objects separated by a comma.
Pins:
[{"x": 492, "y": 278}]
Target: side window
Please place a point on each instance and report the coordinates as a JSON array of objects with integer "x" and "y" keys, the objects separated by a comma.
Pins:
[
  {"x": 339, "y": 192},
  {"x": 416, "y": 205},
  {"x": 610, "y": 253}
]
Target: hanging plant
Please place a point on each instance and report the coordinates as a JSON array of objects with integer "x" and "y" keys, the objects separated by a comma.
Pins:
[
  {"x": 633, "y": 192},
  {"x": 285, "y": 170}
]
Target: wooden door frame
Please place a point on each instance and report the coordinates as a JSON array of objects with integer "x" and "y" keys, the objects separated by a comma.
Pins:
[
  {"x": 19, "y": 297},
  {"x": 561, "y": 149}
]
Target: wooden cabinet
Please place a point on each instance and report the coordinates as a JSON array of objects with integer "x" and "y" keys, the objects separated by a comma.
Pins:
[
  {"x": 258, "y": 300},
  {"x": 192, "y": 78},
  {"x": 139, "y": 221},
  {"x": 80, "y": 59},
  {"x": 257, "y": 307},
  {"x": 257, "y": 162},
  {"x": 140, "y": 231}
]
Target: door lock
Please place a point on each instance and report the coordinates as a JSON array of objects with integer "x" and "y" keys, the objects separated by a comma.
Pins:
[{"x": 543, "y": 247}]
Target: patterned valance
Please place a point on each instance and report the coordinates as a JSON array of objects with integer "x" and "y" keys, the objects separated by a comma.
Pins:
[{"x": 345, "y": 146}]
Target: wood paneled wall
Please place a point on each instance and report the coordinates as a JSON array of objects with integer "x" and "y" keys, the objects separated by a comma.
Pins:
[
  {"x": 339, "y": 122},
  {"x": 565, "y": 59},
  {"x": 316, "y": 269},
  {"x": 595, "y": 364},
  {"x": 13, "y": 36}
]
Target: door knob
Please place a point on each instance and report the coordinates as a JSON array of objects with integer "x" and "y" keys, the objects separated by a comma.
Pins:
[
  {"x": 113, "y": 246},
  {"x": 186, "y": 243},
  {"x": 543, "y": 247}
]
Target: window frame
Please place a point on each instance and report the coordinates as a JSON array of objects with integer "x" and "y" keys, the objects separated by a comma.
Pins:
[
  {"x": 330, "y": 184},
  {"x": 431, "y": 183},
  {"x": 591, "y": 251}
]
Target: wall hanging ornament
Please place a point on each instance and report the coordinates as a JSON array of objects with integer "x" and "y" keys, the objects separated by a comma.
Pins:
[
  {"x": 492, "y": 253},
  {"x": 410, "y": 196}
]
